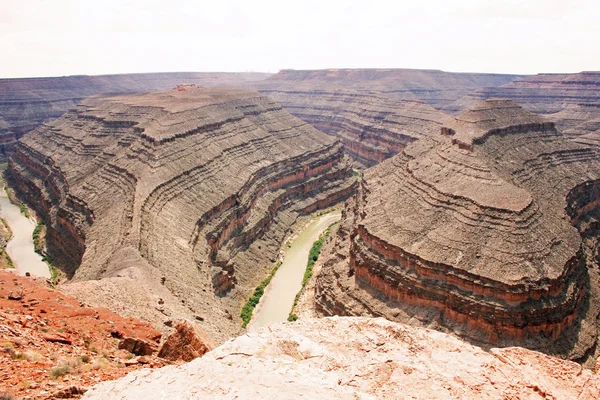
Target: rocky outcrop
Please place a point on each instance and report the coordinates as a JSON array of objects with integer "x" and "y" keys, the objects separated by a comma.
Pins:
[
  {"x": 371, "y": 126},
  {"x": 52, "y": 342},
  {"x": 358, "y": 358},
  {"x": 186, "y": 343},
  {"x": 467, "y": 231},
  {"x": 177, "y": 200},
  {"x": 27, "y": 103},
  {"x": 572, "y": 100}
]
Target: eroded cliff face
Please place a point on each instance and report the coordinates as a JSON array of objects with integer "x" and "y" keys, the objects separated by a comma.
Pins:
[
  {"x": 358, "y": 358},
  {"x": 371, "y": 126},
  {"x": 488, "y": 229},
  {"x": 28, "y": 102},
  {"x": 172, "y": 204}
]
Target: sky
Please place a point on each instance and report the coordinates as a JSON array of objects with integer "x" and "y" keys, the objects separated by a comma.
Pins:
[{"x": 72, "y": 37}]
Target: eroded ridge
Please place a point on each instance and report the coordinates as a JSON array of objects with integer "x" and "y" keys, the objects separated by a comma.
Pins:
[
  {"x": 371, "y": 126},
  {"x": 194, "y": 187},
  {"x": 488, "y": 228}
]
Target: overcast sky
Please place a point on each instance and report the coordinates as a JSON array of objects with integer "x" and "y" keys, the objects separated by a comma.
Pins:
[{"x": 66, "y": 37}]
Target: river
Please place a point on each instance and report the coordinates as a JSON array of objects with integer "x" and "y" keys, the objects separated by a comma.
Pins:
[
  {"x": 20, "y": 247},
  {"x": 276, "y": 304}
]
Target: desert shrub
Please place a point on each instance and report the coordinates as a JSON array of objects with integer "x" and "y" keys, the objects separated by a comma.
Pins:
[{"x": 60, "y": 370}]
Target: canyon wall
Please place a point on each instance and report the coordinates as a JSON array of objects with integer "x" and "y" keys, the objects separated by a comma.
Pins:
[
  {"x": 371, "y": 126},
  {"x": 26, "y": 103},
  {"x": 375, "y": 112},
  {"x": 488, "y": 229},
  {"x": 571, "y": 100},
  {"x": 174, "y": 203}
]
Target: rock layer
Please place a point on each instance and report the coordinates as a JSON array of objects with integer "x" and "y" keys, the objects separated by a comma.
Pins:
[
  {"x": 188, "y": 192},
  {"x": 468, "y": 229},
  {"x": 26, "y": 103},
  {"x": 572, "y": 100},
  {"x": 371, "y": 126},
  {"x": 357, "y": 358}
]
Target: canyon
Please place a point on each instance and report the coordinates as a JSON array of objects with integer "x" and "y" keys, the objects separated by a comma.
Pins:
[
  {"x": 173, "y": 204},
  {"x": 375, "y": 112},
  {"x": 487, "y": 229},
  {"x": 467, "y": 215},
  {"x": 371, "y": 126}
]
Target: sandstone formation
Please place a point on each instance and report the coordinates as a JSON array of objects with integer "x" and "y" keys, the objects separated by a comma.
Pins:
[
  {"x": 573, "y": 100},
  {"x": 186, "y": 343},
  {"x": 173, "y": 204},
  {"x": 28, "y": 102},
  {"x": 371, "y": 126},
  {"x": 488, "y": 229},
  {"x": 357, "y": 358},
  {"x": 42, "y": 330}
]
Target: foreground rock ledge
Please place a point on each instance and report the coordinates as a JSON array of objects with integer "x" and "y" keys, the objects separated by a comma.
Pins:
[{"x": 364, "y": 358}]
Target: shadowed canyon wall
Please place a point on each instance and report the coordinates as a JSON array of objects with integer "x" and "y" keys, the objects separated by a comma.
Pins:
[{"x": 179, "y": 199}]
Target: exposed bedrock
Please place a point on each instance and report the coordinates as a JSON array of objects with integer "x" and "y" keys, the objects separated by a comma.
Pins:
[
  {"x": 488, "y": 229},
  {"x": 371, "y": 126},
  {"x": 26, "y": 103},
  {"x": 180, "y": 198}
]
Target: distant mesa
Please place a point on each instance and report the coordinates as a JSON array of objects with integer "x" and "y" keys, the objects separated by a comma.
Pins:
[
  {"x": 487, "y": 229},
  {"x": 571, "y": 100},
  {"x": 170, "y": 204}
]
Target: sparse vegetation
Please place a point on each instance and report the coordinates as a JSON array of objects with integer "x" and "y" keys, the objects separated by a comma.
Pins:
[
  {"x": 72, "y": 365},
  {"x": 248, "y": 308},
  {"x": 5, "y": 259},
  {"x": 25, "y": 356},
  {"x": 60, "y": 370},
  {"x": 100, "y": 363},
  {"x": 36, "y": 238},
  {"x": 24, "y": 210},
  {"x": 313, "y": 256}
]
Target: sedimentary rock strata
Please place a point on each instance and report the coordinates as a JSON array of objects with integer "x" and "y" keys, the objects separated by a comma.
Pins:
[
  {"x": 371, "y": 126},
  {"x": 488, "y": 229},
  {"x": 27, "y": 103},
  {"x": 572, "y": 100},
  {"x": 358, "y": 358},
  {"x": 176, "y": 200}
]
